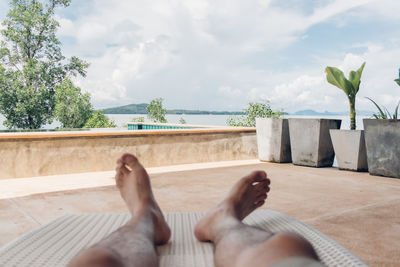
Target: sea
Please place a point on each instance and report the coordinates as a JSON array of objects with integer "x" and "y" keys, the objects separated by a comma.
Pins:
[{"x": 216, "y": 120}]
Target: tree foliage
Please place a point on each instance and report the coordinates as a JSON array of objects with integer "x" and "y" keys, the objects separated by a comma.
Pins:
[
  {"x": 137, "y": 119},
  {"x": 31, "y": 63},
  {"x": 99, "y": 120},
  {"x": 73, "y": 108},
  {"x": 253, "y": 111},
  {"x": 155, "y": 111},
  {"x": 182, "y": 121}
]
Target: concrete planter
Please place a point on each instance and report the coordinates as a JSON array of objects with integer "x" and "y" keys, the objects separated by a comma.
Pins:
[
  {"x": 273, "y": 140},
  {"x": 349, "y": 146},
  {"x": 382, "y": 138},
  {"x": 311, "y": 143}
]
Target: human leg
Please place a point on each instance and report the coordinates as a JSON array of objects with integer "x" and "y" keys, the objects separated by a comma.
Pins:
[
  {"x": 134, "y": 243},
  {"x": 237, "y": 244}
]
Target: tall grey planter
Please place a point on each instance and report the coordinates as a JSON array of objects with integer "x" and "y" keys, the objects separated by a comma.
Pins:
[
  {"x": 273, "y": 140},
  {"x": 349, "y": 146},
  {"x": 382, "y": 138},
  {"x": 310, "y": 141}
]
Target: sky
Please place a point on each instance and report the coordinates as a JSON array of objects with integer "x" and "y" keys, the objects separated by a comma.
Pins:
[{"x": 223, "y": 54}]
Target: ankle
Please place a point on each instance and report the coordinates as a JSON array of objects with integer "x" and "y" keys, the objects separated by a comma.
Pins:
[
  {"x": 140, "y": 213},
  {"x": 215, "y": 224}
]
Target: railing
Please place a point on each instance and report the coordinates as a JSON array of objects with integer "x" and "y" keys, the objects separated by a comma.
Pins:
[{"x": 32, "y": 154}]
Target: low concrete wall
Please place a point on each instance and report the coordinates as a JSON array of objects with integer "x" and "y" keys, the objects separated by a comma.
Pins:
[{"x": 40, "y": 154}]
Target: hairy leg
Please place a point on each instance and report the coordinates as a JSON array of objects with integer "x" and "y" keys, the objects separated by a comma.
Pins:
[
  {"x": 237, "y": 244},
  {"x": 134, "y": 243}
]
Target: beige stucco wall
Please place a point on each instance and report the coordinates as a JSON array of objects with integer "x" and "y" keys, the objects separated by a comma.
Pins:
[{"x": 29, "y": 155}]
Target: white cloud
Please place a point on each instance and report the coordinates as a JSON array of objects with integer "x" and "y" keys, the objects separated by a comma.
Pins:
[
  {"x": 336, "y": 7},
  {"x": 309, "y": 92},
  {"x": 193, "y": 53},
  {"x": 384, "y": 9},
  {"x": 66, "y": 26},
  {"x": 315, "y": 92},
  {"x": 228, "y": 91},
  {"x": 198, "y": 54}
]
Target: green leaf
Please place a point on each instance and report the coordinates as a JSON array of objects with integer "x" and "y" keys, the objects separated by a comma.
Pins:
[
  {"x": 336, "y": 77},
  {"x": 73, "y": 108},
  {"x": 382, "y": 114},
  {"x": 355, "y": 78},
  {"x": 395, "y": 115},
  {"x": 388, "y": 116},
  {"x": 397, "y": 81},
  {"x": 33, "y": 65},
  {"x": 253, "y": 111},
  {"x": 155, "y": 111},
  {"x": 99, "y": 120}
]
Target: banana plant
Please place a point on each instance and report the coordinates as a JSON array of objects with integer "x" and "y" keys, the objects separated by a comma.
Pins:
[{"x": 349, "y": 86}]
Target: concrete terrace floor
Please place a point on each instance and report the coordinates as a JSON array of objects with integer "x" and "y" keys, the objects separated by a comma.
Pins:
[{"x": 359, "y": 211}]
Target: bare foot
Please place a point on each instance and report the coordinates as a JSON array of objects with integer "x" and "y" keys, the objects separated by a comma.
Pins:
[
  {"x": 246, "y": 195},
  {"x": 134, "y": 185}
]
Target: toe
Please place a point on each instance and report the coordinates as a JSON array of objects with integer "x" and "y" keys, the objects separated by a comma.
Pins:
[
  {"x": 262, "y": 186},
  {"x": 120, "y": 172},
  {"x": 121, "y": 169},
  {"x": 256, "y": 176},
  {"x": 259, "y": 203},
  {"x": 260, "y": 197},
  {"x": 130, "y": 160}
]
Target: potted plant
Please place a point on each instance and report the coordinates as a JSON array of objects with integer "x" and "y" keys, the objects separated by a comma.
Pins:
[
  {"x": 272, "y": 135},
  {"x": 382, "y": 137},
  {"x": 349, "y": 145}
]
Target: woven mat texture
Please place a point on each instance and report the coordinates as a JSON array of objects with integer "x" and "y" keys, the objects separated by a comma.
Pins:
[{"x": 57, "y": 242}]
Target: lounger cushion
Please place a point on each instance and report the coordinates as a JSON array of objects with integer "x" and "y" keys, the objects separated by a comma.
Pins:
[{"x": 57, "y": 242}]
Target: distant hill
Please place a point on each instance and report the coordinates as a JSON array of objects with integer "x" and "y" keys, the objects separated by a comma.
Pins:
[
  {"x": 141, "y": 109},
  {"x": 127, "y": 109},
  {"x": 202, "y": 112},
  {"x": 310, "y": 112}
]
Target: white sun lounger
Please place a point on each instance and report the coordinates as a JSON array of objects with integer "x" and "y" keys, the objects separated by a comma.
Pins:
[{"x": 57, "y": 242}]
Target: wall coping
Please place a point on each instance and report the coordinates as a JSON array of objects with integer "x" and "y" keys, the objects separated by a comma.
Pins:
[{"x": 114, "y": 133}]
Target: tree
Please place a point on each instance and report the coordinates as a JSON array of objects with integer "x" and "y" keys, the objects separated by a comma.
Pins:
[
  {"x": 182, "y": 121},
  {"x": 31, "y": 63},
  {"x": 155, "y": 111},
  {"x": 72, "y": 107},
  {"x": 253, "y": 111},
  {"x": 137, "y": 119},
  {"x": 99, "y": 120}
]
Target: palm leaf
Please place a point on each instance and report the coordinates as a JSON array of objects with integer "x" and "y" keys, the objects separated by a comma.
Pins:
[{"x": 382, "y": 114}]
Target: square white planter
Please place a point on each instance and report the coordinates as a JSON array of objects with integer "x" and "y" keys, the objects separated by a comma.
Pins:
[
  {"x": 310, "y": 141},
  {"x": 349, "y": 146},
  {"x": 273, "y": 140}
]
